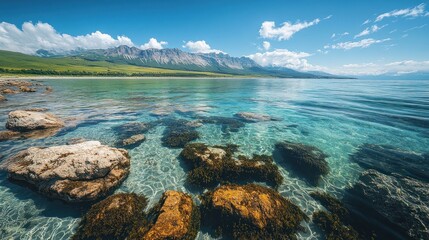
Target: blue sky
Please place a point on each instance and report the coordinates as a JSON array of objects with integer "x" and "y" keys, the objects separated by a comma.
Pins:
[{"x": 304, "y": 35}]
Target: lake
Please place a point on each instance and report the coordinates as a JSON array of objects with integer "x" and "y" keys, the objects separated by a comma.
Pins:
[{"x": 335, "y": 115}]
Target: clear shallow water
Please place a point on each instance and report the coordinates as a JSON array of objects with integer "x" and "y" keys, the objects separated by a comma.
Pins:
[{"x": 336, "y": 116}]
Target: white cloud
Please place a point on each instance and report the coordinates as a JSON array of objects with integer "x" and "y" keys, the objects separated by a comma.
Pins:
[
  {"x": 368, "y": 30},
  {"x": 416, "y": 27},
  {"x": 396, "y": 68},
  {"x": 33, "y": 37},
  {"x": 364, "y": 43},
  {"x": 286, "y": 31},
  {"x": 328, "y": 17},
  {"x": 285, "y": 58},
  {"x": 363, "y": 33},
  {"x": 153, "y": 43},
  {"x": 266, "y": 45},
  {"x": 366, "y": 22},
  {"x": 417, "y": 11},
  {"x": 200, "y": 47}
]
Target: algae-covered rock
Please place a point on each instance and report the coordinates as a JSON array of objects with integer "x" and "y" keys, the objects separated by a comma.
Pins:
[
  {"x": 213, "y": 165},
  {"x": 333, "y": 228},
  {"x": 113, "y": 218},
  {"x": 251, "y": 212},
  {"x": 178, "y": 133},
  {"x": 174, "y": 217},
  {"x": 306, "y": 160}
]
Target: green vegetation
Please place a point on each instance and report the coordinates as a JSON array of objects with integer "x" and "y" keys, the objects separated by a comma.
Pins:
[{"x": 12, "y": 63}]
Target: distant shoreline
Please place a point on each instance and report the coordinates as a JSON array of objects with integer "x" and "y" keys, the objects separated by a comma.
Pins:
[{"x": 40, "y": 77}]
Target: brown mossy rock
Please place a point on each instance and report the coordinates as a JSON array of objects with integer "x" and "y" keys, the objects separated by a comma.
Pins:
[
  {"x": 174, "y": 217},
  {"x": 113, "y": 218},
  {"x": 2, "y": 98},
  {"x": 213, "y": 165},
  {"x": 305, "y": 160},
  {"x": 74, "y": 173},
  {"x": 333, "y": 227},
  {"x": 22, "y": 121},
  {"x": 251, "y": 212}
]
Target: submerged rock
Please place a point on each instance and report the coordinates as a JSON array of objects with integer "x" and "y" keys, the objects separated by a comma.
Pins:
[
  {"x": 388, "y": 160},
  {"x": 2, "y": 98},
  {"x": 213, "y": 165},
  {"x": 228, "y": 124},
  {"x": 178, "y": 133},
  {"x": 254, "y": 117},
  {"x": 251, "y": 212},
  {"x": 401, "y": 201},
  {"x": 26, "y": 89},
  {"x": 304, "y": 159},
  {"x": 9, "y": 135},
  {"x": 113, "y": 218},
  {"x": 133, "y": 140},
  {"x": 73, "y": 173},
  {"x": 333, "y": 227},
  {"x": 131, "y": 134},
  {"x": 9, "y": 91},
  {"x": 174, "y": 217},
  {"x": 21, "y": 121}
]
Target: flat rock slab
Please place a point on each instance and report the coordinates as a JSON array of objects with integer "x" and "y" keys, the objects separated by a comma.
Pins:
[
  {"x": 21, "y": 120},
  {"x": 73, "y": 173}
]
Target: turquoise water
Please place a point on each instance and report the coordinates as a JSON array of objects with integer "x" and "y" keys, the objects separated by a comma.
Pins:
[{"x": 336, "y": 116}]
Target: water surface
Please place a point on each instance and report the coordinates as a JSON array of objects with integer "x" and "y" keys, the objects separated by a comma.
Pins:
[{"x": 337, "y": 116}]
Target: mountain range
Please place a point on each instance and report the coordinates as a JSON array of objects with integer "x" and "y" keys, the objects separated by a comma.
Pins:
[{"x": 176, "y": 59}]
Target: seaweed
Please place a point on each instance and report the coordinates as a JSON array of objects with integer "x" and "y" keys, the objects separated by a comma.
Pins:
[{"x": 333, "y": 228}]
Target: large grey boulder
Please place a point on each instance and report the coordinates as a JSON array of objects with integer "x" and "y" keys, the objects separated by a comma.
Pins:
[
  {"x": 402, "y": 201},
  {"x": 73, "y": 173},
  {"x": 22, "y": 120}
]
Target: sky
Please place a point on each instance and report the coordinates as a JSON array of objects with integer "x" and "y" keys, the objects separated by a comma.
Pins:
[{"x": 336, "y": 36}]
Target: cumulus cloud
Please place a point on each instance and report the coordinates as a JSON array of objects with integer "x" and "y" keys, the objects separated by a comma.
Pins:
[
  {"x": 285, "y": 31},
  {"x": 266, "y": 45},
  {"x": 364, "y": 43},
  {"x": 285, "y": 58},
  {"x": 32, "y": 37},
  {"x": 153, "y": 43},
  {"x": 417, "y": 11},
  {"x": 368, "y": 30},
  {"x": 200, "y": 47},
  {"x": 396, "y": 68}
]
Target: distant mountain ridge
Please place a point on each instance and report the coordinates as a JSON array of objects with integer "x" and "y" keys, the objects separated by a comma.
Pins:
[{"x": 176, "y": 59}]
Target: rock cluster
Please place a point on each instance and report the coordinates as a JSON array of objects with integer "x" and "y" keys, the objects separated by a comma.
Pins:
[
  {"x": 73, "y": 173},
  {"x": 122, "y": 216}
]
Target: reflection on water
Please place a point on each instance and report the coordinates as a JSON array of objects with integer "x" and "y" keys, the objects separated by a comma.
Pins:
[{"x": 336, "y": 116}]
